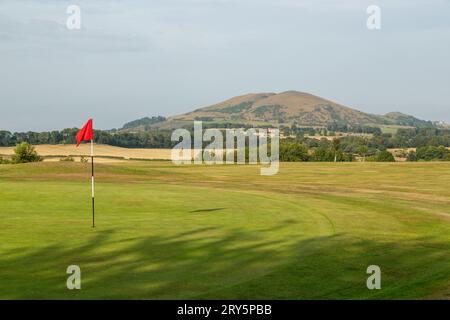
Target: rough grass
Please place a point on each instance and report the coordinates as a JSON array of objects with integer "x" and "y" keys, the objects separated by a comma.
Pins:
[{"x": 166, "y": 231}]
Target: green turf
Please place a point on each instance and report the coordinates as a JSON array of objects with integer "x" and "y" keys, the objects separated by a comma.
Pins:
[{"x": 195, "y": 232}]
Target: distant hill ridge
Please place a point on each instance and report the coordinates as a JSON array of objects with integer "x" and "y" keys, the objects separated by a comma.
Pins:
[{"x": 286, "y": 108}]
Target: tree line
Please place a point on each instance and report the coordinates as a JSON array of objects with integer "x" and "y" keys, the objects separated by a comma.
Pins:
[
  {"x": 292, "y": 150},
  {"x": 161, "y": 138},
  {"x": 143, "y": 139},
  {"x": 431, "y": 143}
]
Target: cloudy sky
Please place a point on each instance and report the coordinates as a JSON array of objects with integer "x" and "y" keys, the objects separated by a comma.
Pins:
[{"x": 136, "y": 58}]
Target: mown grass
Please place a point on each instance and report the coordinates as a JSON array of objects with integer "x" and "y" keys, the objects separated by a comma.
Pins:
[{"x": 188, "y": 232}]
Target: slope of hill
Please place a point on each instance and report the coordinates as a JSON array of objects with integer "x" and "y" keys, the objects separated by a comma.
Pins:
[
  {"x": 407, "y": 120},
  {"x": 287, "y": 108},
  {"x": 143, "y": 123}
]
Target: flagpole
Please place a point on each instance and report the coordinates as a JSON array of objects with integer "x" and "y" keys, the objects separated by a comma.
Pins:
[{"x": 92, "y": 167}]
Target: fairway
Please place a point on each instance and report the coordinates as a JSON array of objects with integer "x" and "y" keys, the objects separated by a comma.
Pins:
[{"x": 225, "y": 232}]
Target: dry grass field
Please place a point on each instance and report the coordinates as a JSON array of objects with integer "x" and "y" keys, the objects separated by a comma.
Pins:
[{"x": 103, "y": 153}]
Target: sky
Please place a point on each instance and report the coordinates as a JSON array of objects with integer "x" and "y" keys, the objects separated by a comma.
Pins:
[{"x": 137, "y": 58}]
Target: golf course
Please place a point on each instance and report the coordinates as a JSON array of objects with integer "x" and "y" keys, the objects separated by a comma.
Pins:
[{"x": 225, "y": 232}]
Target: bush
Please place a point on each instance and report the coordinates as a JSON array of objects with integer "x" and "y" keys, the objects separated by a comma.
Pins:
[
  {"x": 24, "y": 152},
  {"x": 384, "y": 156},
  {"x": 322, "y": 154},
  {"x": 293, "y": 152},
  {"x": 83, "y": 159},
  {"x": 412, "y": 156},
  {"x": 67, "y": 159},
  {"x": 345, "y": 157},
  {"x": 4, "y": 161},
  {"x": 430, "y": 153}
]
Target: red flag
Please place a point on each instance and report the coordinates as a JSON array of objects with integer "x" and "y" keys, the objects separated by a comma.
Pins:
[{"x": 85, "y": 133}]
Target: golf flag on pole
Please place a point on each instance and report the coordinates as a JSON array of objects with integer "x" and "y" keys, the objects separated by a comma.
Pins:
[{"x": 84, "y": 134}]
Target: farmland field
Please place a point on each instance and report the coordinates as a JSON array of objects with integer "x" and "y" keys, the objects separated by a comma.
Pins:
[
  {"x": 225, "y": 232},
  {"x": 104, "y": 153}
]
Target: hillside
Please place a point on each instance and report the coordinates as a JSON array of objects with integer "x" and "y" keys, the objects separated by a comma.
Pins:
[
  {"x": 143, "y": 123},
  {"x": 407, "y": 120},
  {"x": 287, "y": 108}
]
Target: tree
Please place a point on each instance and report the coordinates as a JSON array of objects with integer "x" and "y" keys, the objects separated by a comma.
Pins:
[
  {"x": 363, "y": 150},
  {"x": 412, "y": 156},
  {"x": 431, "y": 153},
  {"x": 25, "y": 152},
  {"x": 384, "y": 156},
  {"x": 293, "y": 152},
  {"x": 322, "y": 154},
  {"x": 335, "y": 147}
]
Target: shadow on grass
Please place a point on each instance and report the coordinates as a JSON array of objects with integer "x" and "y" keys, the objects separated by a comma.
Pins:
[
  {"x": 234, "y": 264},
  {"x": 207, "y": 210}
]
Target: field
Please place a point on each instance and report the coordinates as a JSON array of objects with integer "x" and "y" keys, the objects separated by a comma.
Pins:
[
  {"x": 103, "y": 153},
  {"x": 197, "y": 232}
]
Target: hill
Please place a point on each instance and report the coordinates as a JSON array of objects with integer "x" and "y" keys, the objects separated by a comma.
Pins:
[{"x": 290, "y": 107}]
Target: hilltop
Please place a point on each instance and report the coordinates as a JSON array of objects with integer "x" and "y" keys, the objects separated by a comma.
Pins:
[{"x": 286, "y": 108}]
